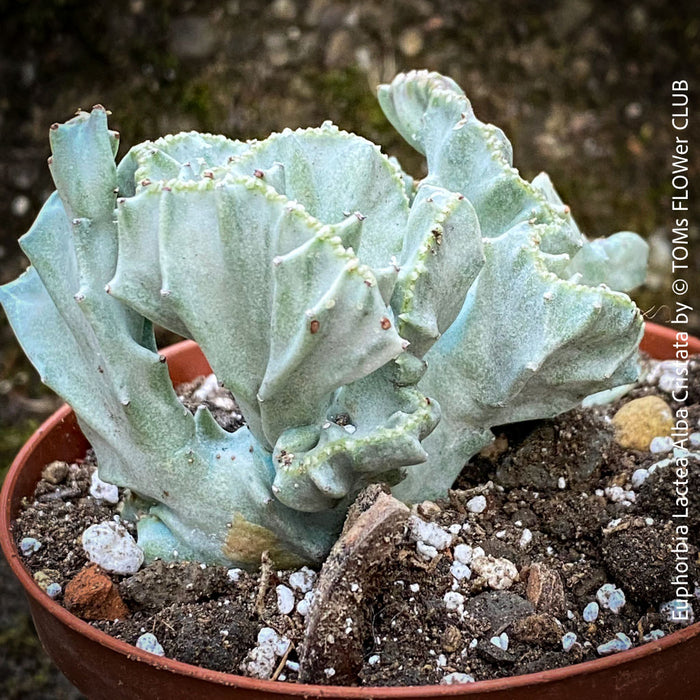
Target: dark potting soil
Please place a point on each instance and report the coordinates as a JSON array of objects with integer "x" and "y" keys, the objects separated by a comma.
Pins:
[{"x": 557, "y": 545}]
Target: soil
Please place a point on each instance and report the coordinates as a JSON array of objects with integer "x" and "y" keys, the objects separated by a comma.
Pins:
[
  {"x": 407, "y": 597},
  {"x": 581, "y": 87}
]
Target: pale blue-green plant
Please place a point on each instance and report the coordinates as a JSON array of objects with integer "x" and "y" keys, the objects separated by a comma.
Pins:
[{"x": 370, "y": 326}]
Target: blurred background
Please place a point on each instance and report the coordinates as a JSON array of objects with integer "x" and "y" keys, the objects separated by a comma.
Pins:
[{"x": 581, "y": 87}]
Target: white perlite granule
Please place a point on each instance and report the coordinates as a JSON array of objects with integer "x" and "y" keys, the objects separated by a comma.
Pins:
[
  {"x": 304, "y": 604},
  {"x": 476, "y": 504},
  {"x": 463, "y": 554},
  {"x": 109, "y": 545},
  {"x": 262, "y": 659},
  {"x": 285, "y": 599},
  {"x": 457, "y": 678},
  {"x": 102, "y": 491},
  {"x": 611, "y": 597},
  {"x": 303, "y": 580},
  {"x": 149, "y": 643},
  {"x": 454, "y": 601},
  {"x": 234, "y": 575},
  {"x": 460, "y": 571},
  {"x": 430, "y": 534}
]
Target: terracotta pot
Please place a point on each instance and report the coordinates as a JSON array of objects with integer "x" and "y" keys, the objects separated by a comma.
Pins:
[{"x": 105, "y": 668}]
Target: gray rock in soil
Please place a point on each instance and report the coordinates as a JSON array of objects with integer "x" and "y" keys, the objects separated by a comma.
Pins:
[
  {"x": 162, "y": 584},
  {"x": 490, "y": 652},
  {"x": 493, "y": 611},
  {"x": 541, "y": 629}
]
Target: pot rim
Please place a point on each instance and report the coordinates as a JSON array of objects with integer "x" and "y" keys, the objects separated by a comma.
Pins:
[{"x": 31, "y": 588}]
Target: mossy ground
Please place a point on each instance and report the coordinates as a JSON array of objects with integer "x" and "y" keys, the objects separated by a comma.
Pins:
[{"x": 581, "y": 87}]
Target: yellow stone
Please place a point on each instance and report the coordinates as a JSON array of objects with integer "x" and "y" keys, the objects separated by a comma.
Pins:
[{"x": 638, "y": 422}]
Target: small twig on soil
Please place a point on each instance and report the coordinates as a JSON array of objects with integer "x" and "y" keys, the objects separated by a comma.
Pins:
[
  {"x": 404, "y": 554},
  {"x": 265, "y": 575},
  {"x": 282, "y": 663},
  {"x": 417, "y": 563},
  {"x": 403, "y": 609},
  {"x": 456, "y": 502},
  {"x": 434, "y": 562},
  {"x": 163, "y": 622}
]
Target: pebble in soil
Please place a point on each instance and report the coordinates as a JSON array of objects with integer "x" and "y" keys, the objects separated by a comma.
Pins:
[{"x": 512, "y": 574}]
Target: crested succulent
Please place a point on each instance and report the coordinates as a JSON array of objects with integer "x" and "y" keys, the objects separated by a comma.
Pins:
[{"x": 371, "y": 327}]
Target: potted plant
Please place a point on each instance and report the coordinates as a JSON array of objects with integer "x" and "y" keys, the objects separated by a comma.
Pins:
[{"x": 371, "y": 328}]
